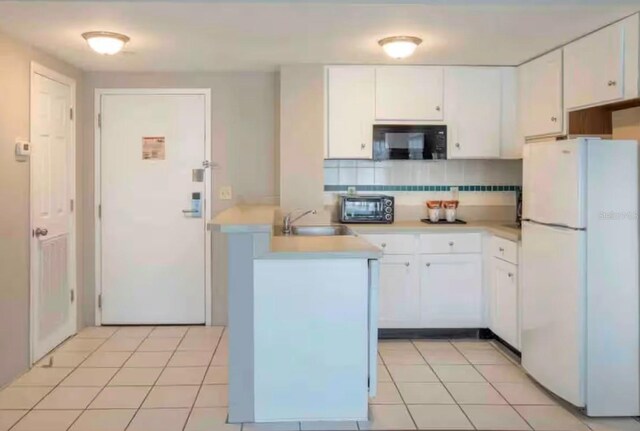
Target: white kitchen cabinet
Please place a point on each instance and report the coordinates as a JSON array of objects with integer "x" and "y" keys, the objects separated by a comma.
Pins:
[
  {"x": 350, "y": 111},
  {"x": 511, "y": 139},
  {"x": 540, "y": 101},
  {"x": 399, "y": 305},
  {"x": 409, "y": 93},
  {"x": 504, "y": 301},
  {"x": 473, "y": 102},
  {"x": 595, "y": 67},
  {"x": 451, "y": 293}
]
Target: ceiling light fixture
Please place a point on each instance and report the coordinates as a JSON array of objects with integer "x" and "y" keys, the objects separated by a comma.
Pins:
[
  {"x": 400, "y": 47},
  {"x": 105, "y": 42}
]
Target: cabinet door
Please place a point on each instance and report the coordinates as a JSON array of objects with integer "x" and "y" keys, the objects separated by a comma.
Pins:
[
  {"x": 504, "y": 301},
  {"x": 409, "y": 93},
  {"x": 594, "y": 68},
  {"x": 541, "y": 95},
  {"x": 451, "y": 291},
  {"x": 399, "y": 292},
  {"x": 350, "y": 104},
  {"x": 473, "y": 100}
]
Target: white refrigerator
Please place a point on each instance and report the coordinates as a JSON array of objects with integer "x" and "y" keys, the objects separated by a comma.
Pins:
[{"x": 580, "y": 293}]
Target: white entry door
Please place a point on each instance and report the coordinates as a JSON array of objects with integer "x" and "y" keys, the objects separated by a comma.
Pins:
[
  {"x": 152, "y": 235},
  {"x": 53, "y": 311}
]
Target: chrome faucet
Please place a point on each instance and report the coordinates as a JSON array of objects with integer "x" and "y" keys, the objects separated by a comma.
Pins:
[{"x": 287, "y": 222}]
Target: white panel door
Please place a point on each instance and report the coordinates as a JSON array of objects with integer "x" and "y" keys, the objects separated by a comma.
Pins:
[
  {"x": 555, "y": 176},
  {"x": 409, "y": 93},
  {"x": 473, "y": 100},
  {"x": 399, "y": 292},
  {"x": 153, "y": 248},
  {"x": 541, "y": 95},
  {"x": 350, "y": 104},
  {"x": 553, "y": 309},
  {"x": 594, "y": 68},
  {"x": 53, "y": 308},
  {"x": 451, "y": 291}
]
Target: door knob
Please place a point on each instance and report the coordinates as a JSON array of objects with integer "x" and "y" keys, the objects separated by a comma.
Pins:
[{"x": 41, "y": 231}]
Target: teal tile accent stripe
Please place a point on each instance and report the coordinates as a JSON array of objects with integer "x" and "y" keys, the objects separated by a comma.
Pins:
[{"x": 437, "y": 188}]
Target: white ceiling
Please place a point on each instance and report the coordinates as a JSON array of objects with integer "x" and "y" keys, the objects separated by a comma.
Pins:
[{"x": 261, "y": 35}]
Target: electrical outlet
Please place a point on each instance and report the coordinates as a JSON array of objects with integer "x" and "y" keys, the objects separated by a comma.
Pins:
[{"x": 224, "y": 193}]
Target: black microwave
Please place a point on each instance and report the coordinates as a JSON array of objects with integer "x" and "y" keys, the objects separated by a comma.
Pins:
[{"x": 409, "y": 142}]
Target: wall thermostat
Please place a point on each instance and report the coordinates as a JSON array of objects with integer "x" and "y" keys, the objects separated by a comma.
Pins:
[{"x": 23, "y": 149}]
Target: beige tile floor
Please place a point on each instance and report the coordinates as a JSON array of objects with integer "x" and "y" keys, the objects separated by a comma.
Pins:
[{"x": 175, "y": 378}]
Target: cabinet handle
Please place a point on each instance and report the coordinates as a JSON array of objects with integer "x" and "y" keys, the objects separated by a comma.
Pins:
[
  {"x": 457, "y": 144},
  {"x": 407, "y": 264},
  {"x": 437, "y": 108},
  {"x": 554, "y": 119},
  {"x": 510, "y": 275},
  {"x": 612, "y": 83},
  {"x": 450, "y": 243},
  {"x": 501, "y": 249},
  {"x": 427, "y": 264},
  {"x": 384, "y": 244},
  {"x": 363, "y": 146}
]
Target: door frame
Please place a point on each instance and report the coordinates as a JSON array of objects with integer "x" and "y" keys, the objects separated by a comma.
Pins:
[
  {"x": 38, "y": 69},
  {"x": 99, "y": 92}
]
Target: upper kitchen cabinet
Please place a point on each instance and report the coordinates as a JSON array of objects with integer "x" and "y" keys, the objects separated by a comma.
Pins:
[
  {"x": 349, "y": 112},
  {"x": 473, "y": 100},
  {"x": 603, "y": 66},
  {"x": 409, "y": 93},
  {"x": 540, "y": 87}
]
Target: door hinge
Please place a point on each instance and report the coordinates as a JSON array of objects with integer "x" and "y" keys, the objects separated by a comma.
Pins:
[
  {"x": 100, "y": 301},
  {"x": 73, "y": 295},
  {"x": 99, "y": 120},
  {"x": 71, "y": 205},
  {"x": 71, "y": 113}
]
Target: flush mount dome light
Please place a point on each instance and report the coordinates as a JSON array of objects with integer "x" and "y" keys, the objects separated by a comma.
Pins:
[
  {"x": 105, "y": 42},
  {"x": 399, "y": 47}
]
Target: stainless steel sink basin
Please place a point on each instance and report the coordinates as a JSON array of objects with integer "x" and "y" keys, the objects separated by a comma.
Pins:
[{"x": 327, "y": 230}]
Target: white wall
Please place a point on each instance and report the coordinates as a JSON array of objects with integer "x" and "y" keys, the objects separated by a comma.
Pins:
[{"x": 244, "y": 129}]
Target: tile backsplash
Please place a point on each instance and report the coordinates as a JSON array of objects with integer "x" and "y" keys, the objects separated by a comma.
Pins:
[{"x": 423, "y": 174}]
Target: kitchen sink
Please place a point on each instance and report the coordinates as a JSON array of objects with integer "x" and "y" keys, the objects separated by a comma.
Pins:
[{"x": 327, "y": 230}]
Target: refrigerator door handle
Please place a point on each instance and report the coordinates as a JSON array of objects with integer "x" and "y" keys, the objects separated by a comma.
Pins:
[{"x": 556, "y": 225}]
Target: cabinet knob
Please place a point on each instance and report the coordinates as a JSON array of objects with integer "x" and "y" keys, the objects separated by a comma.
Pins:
[
  {"x": 612, "y": 83},
  {"x": 501, "y": 249},
  {"x": 510, "y": 275},
  {"x": 437, "y": 108},
  {"x": 384, "y": 244},
  {"x": 451, "y": 243},
  {"x": 427, "y": 264},
  {"x": 407, "y": 264},
  {"x": 457, "y": 144},
  {"x": 554, "y": 119},
  {"x": 363, "y": 146}
]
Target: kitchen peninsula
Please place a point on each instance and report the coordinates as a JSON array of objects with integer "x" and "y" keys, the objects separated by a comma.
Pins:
[{"x": 284, "y": 291}]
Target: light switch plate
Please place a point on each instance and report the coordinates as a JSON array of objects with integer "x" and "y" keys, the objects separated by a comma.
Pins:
[{"x": 224, "y": 193}]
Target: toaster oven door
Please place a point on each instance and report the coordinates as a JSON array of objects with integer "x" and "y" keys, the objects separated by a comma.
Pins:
[{"x": 362, "y": 210}]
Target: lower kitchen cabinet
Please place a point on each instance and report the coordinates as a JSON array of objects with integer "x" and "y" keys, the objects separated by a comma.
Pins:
[
  {"x": 451, "y": 291},
  {"x": 504, "y": 301},
  {"x": 399, "y": 292}
]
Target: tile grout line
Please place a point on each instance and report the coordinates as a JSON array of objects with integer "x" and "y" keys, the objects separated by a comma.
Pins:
[
  {"x": 400, "y": 393},
  {"x": 206, "y": 371},
  {"x": 443, "y": 383},
  {"x": 157, "y": 378},
  {"x": 73, "y": 369},
  {"x": 112, "y": 377}
]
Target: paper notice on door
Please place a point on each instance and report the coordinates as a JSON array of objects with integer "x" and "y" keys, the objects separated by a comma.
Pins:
[{"x": 153, "y": 148}]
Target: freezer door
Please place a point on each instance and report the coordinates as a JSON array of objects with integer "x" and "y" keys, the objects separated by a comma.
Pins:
[
  {"x": 553, "y": 309},
  {"x": 554, "y": 182}
]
